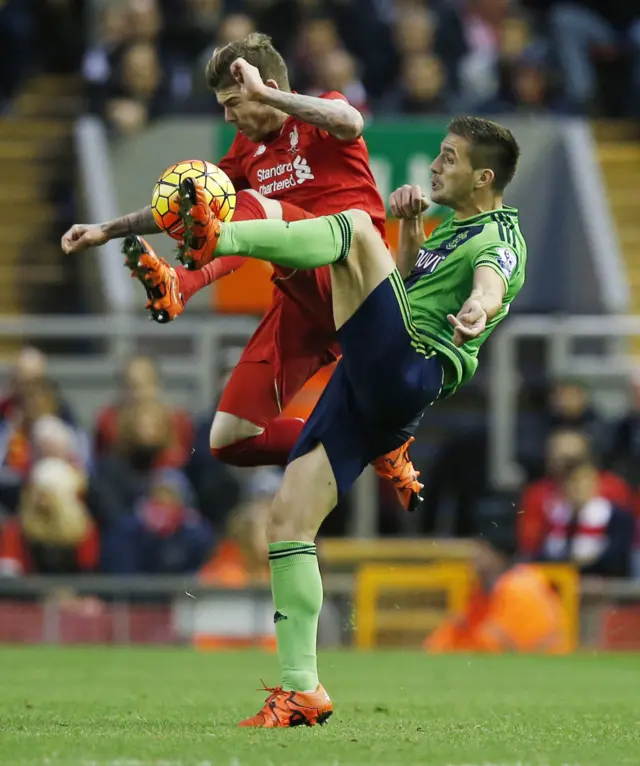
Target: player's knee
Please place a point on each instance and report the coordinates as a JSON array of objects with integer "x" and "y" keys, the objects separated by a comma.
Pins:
[
  {"x": 362, "y": 223},
  {"x": 272, "y": 208},
  {"x": 289, "y": 520},
  {"x": 363, "y": 232},
  {"x": 227, "y": 430}
]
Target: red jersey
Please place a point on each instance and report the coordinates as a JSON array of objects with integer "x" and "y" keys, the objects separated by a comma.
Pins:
[
  {"x": 534, "y": 522},
  {"x": 311, "y": 169}
]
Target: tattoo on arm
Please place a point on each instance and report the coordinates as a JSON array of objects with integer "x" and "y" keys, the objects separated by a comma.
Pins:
[
  {"x": 336, "y": 117},
  {"x": 140, "y": 222}
]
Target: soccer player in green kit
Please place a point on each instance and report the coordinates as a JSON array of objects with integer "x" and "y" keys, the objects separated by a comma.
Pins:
[{"x": 404, "y": 343}]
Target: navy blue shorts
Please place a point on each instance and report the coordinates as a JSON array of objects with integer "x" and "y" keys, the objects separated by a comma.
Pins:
[{"x": 379, "y": 390}]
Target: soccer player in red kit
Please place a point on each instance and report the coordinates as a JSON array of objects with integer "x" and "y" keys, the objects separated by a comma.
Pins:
[{"x": 307, "y": 154}]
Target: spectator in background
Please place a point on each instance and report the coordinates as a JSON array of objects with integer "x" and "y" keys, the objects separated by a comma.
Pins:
[
  {"x": 583, "y": 526},
  {"x": 317, "y": 40},
  {"x": 140, "y": 384},
  {"x": 512, "y": 609},
  {"x": 482, "y": 22},
  {"x": 125, "y": 67},
  {"x": 584, "y": 29},
  {"x": 237, "y": 26},
  {"x": 624, "y": 456},
  {"x": 30, "y": 368},
  {"x": 414, "y": 32},
  {"x": 33, "y": 401},
  {"x": 568, "y": 406},
  {"x": 337, "y": 72},
  {"x": 121, "y": 476},
  {"x": 566, "y": 450},
  {"x": 164, "y": 534},
  {"x": 527, "y": 89},
  {"x": 53, "y": 532},
  {"x": 421, "y": 89},
  {"x": 137, "y": 95},
  {"x": 111, "y": 32}
]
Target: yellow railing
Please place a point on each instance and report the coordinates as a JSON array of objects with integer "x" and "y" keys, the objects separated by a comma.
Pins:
[{"x": 455, "y": 581}]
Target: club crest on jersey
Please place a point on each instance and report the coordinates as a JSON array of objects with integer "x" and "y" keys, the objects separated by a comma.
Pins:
[
  {"x": 294, "y": 148},
  {"x": 458, "y": 239},
  {"x": 260, "y": 150}
]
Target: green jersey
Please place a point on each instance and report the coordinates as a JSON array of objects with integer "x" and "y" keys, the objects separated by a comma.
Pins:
[{"x": 442, "y": 280}]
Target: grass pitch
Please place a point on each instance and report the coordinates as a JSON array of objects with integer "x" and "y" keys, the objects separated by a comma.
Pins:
[{"x": 150, "y": 707}]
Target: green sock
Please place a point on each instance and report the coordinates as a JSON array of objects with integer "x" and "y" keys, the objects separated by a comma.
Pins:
[
  {"x": 297, "y": 596},
  {"x": 300, "y": 245}
]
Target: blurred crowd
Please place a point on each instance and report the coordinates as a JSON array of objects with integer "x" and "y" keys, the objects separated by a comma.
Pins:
[
  {"x": 146, "y": 58},
  {"x": 413, "y": 57},
  {"x": 139, "y": 494},
  {"x": 580, "y": 495}
]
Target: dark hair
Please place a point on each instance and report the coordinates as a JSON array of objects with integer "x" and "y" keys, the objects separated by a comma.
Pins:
[
  {"x": 492, "y": 146},
  {"x": 257, "y": 49}
]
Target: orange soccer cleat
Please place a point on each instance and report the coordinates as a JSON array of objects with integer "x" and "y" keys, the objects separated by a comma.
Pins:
[
  {"x": 158, "y": 278},
  {"x": 397, "y": 467},
  {"x": 283, "y": 709},
  {"x": 201, "y": 227}
]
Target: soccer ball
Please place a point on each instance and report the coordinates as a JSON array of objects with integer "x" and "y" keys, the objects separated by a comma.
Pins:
[{"x": 218, "y": 188}]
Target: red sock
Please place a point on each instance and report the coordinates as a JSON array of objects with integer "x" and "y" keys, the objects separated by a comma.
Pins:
[
  {"x": 248, "y": 208},
  {"x": 271, "y": 447}
]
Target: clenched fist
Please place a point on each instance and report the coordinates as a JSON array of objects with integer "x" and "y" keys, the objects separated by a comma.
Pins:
[
  {"x": 408, "y": 202},
  {"x": 82, "y": 236}
]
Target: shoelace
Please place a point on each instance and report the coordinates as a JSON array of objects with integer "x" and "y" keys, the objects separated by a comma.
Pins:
[{"x": 274, "y": 692}]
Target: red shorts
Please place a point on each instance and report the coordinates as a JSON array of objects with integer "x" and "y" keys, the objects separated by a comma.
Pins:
[{"x": 294, "y": 340}]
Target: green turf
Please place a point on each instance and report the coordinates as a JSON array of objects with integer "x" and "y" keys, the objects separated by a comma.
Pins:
[{"x": 75, "y": 707}]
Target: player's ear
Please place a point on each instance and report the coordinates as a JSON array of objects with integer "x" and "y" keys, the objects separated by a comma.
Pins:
[
  {"x": 484, "y": 178},
  {"x": 272, "y": 84}
]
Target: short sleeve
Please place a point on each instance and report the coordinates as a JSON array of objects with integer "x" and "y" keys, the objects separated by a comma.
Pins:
[
  {"x": 232, "y": 166},
  {"x": 500, "y": 258}
]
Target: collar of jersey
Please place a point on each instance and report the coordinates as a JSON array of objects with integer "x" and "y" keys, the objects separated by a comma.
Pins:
[{"x": 506, "y": 209}]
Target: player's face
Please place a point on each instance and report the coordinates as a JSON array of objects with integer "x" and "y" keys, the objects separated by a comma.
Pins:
[
  {"x": 252, "y": 119},
  {"x": 453, "y": 178}
]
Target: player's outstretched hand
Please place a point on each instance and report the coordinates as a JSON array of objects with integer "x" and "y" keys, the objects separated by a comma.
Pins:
[
  {"x": 248, "y": 78},
  {"x": 82, "y": 236},
  {"x": 470, "y": 322},
  {"x": 408, "y": 202}
]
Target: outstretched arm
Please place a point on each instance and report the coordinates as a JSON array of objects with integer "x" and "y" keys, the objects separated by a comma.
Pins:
[
  {"x": 140, "y": 222},
  {"x": 480, "y": 307},
  {"x": 336, "y": 117},
  {"x": 82, "y": 236}
]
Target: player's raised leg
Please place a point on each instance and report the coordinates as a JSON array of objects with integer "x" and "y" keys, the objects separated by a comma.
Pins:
[
  {"x": 310, "y": 244},
  {"x": 170, "y": 289},
  {"x": 324, "y": 241}
]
